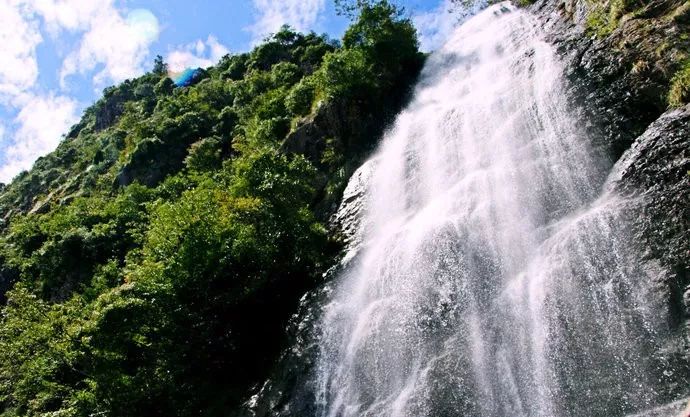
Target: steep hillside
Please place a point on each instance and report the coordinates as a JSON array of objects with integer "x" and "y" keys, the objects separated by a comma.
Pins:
[
  {"x": 627, "y": 61},
  {"x": 154, "y": 259}
]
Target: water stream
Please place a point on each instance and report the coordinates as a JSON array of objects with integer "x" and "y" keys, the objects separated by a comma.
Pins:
[{"x": 497, "y": 276}]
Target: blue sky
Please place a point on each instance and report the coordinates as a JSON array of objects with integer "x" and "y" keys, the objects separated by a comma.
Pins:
[{"x": 58, "y": 55}]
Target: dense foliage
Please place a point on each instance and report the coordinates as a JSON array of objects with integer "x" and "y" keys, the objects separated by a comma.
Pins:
[{"x": 151, "y": 262}]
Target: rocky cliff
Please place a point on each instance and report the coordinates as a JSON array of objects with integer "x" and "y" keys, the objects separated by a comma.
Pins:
[{"x": 104, "y": 233}]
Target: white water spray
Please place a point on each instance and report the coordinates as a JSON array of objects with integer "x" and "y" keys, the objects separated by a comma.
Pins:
[{"x": 494, "y": 280}]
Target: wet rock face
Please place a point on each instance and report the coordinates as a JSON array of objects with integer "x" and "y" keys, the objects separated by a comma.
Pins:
[
  {"x": 675, "y": 409},
  {"x": 657, "y": 168},
  {"x": 350, "y": 215},
  {"x": 618, "y": 82},
  {"x": 290, "y": 390},
  {"x": 655, "y": 174}
]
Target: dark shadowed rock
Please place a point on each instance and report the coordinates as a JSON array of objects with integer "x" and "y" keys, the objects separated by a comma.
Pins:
[
  {"x": 339, "y": 120},
  {"x": 291, "y": 390}
]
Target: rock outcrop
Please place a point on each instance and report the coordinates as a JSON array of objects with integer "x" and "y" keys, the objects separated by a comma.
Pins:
[
  {"x": 348, "y": 124},
  {"x": 656, "y": 172},
  {"x": 349, "y": 219},
  {"x": 658, "y": 166}
]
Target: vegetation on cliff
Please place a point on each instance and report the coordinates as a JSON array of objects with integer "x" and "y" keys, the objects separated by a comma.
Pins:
[
  {"x": 650, "y": 38},
  {"x": 152, "y": 261},
  {"x": 679, "y": 93},
  {"x": 659, "y": 32}
]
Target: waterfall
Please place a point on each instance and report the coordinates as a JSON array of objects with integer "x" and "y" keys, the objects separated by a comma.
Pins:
[{"x": 496, "y": 276}]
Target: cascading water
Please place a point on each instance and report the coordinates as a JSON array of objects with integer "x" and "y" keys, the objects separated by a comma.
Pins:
[{"x": 496, "y": 277}]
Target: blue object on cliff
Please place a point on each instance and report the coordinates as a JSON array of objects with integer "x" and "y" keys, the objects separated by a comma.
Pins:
[{"x": 187, "y": 77}]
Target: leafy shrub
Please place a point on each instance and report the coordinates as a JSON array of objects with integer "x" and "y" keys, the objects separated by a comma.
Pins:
[
  {"x": 227, "y": 120},
  {"x": 285, "y": 74},
  {"x": 236, "y": 67},
  {"x": 300, "y": 98},
  {"x": 345, "y": 74},
  {"x": 264, "y": 56},
  {"x": 204, "y": 155}
]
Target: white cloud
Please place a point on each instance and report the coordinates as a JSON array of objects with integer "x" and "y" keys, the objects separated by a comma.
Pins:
[
  {"x": 112, "y": 38},
  {"x": 119, "y": 43},
  {"x": 41, "y": 123},
  {"x": 271, "y": 15},
  {"x": 113, "y": 41},
  {"x": 19, "y": 37},
  {"x": 436, "y": 25},
  {"x": 69, "y": 15},
  {"x": 198, "y": 54}
]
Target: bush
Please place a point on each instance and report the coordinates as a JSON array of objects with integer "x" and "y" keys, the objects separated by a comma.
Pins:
[
  {"x": 204, "y": 155},
  {"x": 285, "y": 74},
  {"x": 236, "y": 67},
  {"x": 383, "y": 34},
  {"x": 268, "y": 54},
  {"x": 301, "y": 97},
  {"x": 227, "y": 120},
  {"x": 380, "y": 50},
  {"x": 40, "y": 355}
]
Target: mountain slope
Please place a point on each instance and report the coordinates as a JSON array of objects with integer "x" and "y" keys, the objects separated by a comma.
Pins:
[{"x": 155, "y": 257}]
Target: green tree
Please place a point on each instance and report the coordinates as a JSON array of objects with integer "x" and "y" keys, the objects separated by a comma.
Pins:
[{"x": 159, "y": 66}]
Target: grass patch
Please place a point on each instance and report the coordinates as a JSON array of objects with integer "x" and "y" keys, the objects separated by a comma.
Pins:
[
  {"x": 597, "y": 23},
  {"x": 520, "y": 3},
  {"x": 604, "y": 16},
  {"x": 679, "y": 94}
]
